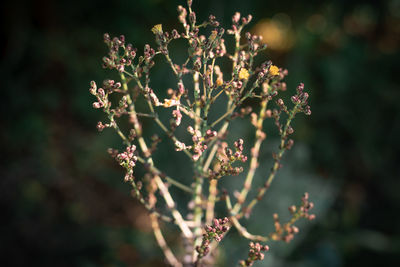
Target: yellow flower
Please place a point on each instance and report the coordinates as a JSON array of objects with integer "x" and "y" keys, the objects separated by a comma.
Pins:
[
  {"x": 244, "y": 74},
  {"x": 171, "y": 102},
  {"x": 273, "y": 70},
  {"x": 157, "y": 29}
]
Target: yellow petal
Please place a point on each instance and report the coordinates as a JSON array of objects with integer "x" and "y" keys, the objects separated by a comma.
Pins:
[
  {"x": 157, "y": 29},
  {"x": 273, "y": 70},
  {"x": 244, "y": 74}
]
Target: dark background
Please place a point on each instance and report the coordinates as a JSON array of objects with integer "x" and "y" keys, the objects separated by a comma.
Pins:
[{"x": 62, "y": 199}]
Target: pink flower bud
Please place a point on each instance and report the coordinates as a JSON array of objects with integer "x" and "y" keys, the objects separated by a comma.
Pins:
[{"x": 97, "y": 105}]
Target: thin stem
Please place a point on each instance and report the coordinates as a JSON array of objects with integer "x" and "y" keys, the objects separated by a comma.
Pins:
[
  {"x": 171, "y": 135},
  {"x": 198, "y": 210},
  {"x": 214, "y": 145},
  {"x": 276, "y": 165},
  {"x": 212, "y": 189},
  {"x": 162, "y": 243},
  {"x": 172, "y": 181},
  {"x": 147, "y": 205},
  {"x": 229, "y": 112},
  {"x": 117, "y": 129},
  {"x": 171, "y": 64},
  {"x": 145, "y": 115},
  {"x": 226, "y": 114},
  {"x": 242, "y": 230},
  {"x": 217, "y": 95},
  {"x": 254, "y": 158},
  {"x": 160, "y": 184},
  {"x": 237, "y": 47},
  {"x": 189, "y": 112},
  {"x": 156, "y": 119}
]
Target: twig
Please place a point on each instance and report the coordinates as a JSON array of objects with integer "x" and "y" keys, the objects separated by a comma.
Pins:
[
  {"x": 161, "y": 186},
  {"x": 254, "y": 158},
  {"x": 172, "y": 181},
  {"x": 162, "y": 243}
]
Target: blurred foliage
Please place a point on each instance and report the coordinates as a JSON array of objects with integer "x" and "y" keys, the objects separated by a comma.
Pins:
[{"x": 63, "y": 200}]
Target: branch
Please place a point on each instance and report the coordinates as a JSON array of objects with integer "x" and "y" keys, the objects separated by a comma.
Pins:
[
  {"x": 276, "y": 165},
  {"x": 161, "y": 186},
  {"x": 161, "y": 242},
  {"x": 242, "y": 231},
  {"x": 260, "y": 136},
  {"x": 172, "y": 181}
]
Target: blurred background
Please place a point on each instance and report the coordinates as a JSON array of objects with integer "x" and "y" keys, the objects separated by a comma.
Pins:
[{"x": 62, "y": 197}]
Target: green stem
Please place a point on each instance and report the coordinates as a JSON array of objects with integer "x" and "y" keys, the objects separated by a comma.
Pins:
[
  {"x": 172, "y": 181},
  {"x": 276, "y": 165},
  {"x": 254, "y": 159}
]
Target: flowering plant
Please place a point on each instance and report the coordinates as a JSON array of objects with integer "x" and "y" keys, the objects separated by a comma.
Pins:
[{"x": 191, "y": 103}]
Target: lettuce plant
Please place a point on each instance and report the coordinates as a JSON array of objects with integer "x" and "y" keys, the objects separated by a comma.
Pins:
[{"x": 201, "y": 86}]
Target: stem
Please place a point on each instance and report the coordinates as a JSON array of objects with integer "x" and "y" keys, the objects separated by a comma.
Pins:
[
  {"x": 229, "y": 112},
  {"x": 198, "y": 210},
  {"x": 254, "y": 159},
  {"x": 147, "y": 205},
  {"x": 161, "y": 186},
  {"x": 212, "y": 189},
  {"x": 276, "y": 165},
  {"x": 171, "y": 64},
  {"x": 217, "y": 95},
  {"x": 155, "y": 116},
  {"x": 172, "y": 181},
  {"x": 161, "y": 242},
  {"x": 242, "y": 231},
  {"x": 237, "y": 47},
  {"x": 171, "y": 135}
]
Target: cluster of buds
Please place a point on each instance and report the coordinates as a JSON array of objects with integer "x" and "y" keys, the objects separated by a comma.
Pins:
[
  {"x": 127, "y": 159},
  {"x": 301, "y": 99},
  {"x": 120, "y": 55},
  {"x": 287, "y": 231},
  {"x": 274, "y": 81},
  {"x": 271, "y": 74},
  {"x": 101, "y": 126},
  {"x": 163, "y": 38},
  {"x": 199, "y": 145},
  {"x": 284, "y": 232},
  {"x": 199, "y": 141},
  {"x": 215, "y": 232},
  {"x": 109, "y": 86},
  {"x": 214, "y": 45},
  {"x": 226, "y": 158},
  {"x": 234, "y": 87},
  {"x": 305, "y": 207},
  {"x": 255, "y": 254},
  {"x": 99, "y": 93},
  {"x": 300, "y": 105},
  {"x": 182, "y": 17},
  {"x": 239, "y": 22},
  {"x": 255, "y": 43},
  {"x": 121, "y": 108},
  {"x": 147, "y": 58},
  {"x": 212, "y": 21},
  {"x": 283, "y": 131}
]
